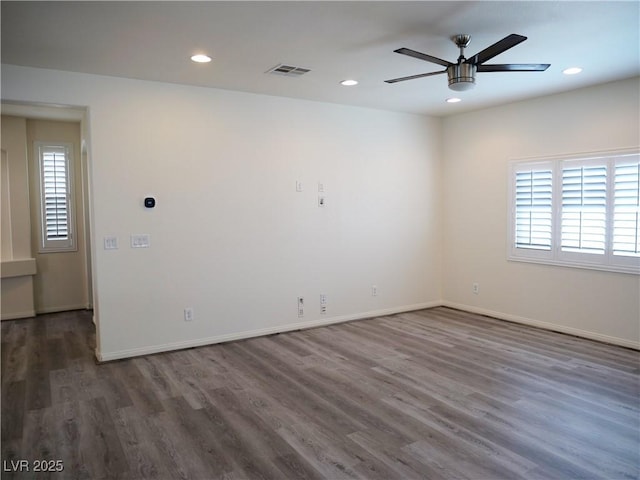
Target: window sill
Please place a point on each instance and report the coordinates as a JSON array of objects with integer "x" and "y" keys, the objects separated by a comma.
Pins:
[{"x": 627, "y": 269}]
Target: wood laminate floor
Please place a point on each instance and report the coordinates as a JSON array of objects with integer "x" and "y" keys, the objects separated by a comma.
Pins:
[{"x": 434, "y": 394}]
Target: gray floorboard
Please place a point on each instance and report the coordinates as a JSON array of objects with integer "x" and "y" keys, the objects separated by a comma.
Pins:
[{"x": 432, "y": 394}]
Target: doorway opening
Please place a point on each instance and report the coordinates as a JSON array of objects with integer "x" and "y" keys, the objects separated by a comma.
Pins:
[{"x": 46, "y": 255}]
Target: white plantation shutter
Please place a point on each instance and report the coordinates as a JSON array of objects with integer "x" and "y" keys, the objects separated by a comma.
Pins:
[
  {"x": 533, "y": 209},
  {"x": 577, "y": 211},
  {"x": 626, "y": 209},
  {"x": 55, "y": 193},
  {"x": 584, "y": 209}
]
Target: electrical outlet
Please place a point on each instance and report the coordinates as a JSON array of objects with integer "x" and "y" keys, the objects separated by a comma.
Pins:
[
  {"x": 188, "y": 314},
  {"x": 476, "y": 288},
  {"x": 299, "y": 186},
  {"x": 300, "y": 307},
  {"x": 374, "y": 290},
  {"x": 323, "y": 303},
  {"x": 322, "y": 201}
]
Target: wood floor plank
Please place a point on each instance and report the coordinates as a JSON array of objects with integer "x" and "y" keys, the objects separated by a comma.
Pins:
[
  {"x": 193, "y": 429},
  {"x": 140, "y": 390},
  {"x": 443, "y": 434},
  {"x": 584, "y": 449},
  {"x": 513, "y": 441},
  {"x": 293, "y": 394},
  {"x": 101, "y": 447},
  {"x": 403, "y": 464},
  {"x": 12, "y": 453},
  {"x": 256, "y": 445},
  {"x": 38, "y": 440},
  {"x": 67, "y": 419},
  {"x": 318, "y": 449},
  {"x": 13, "y": 408},
  {"x": 180, "y": 461},
  {"x": 14, "y": 364},
  {"x": 349, "y": 406},
  {"x": 431, "y": 394}
]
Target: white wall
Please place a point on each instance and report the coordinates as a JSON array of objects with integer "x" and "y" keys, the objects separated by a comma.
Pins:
[
  {"x": 17, "y": 265},
  {"x": 230, "y": 236},
  {"x": 477, "y": 147}
]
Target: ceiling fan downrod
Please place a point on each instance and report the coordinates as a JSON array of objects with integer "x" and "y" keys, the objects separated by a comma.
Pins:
[
  {"x": 462, "y": 41},
  {"x": 462, "y": 75}
]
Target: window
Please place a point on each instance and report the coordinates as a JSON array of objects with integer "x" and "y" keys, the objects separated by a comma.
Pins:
[
  {"x": 56, "y": 207},
  {"x": 533, "y": 208},
  {"x": 577, "y": 211},
  {"x": 626, "y": 209},
  {"x": 584, "y": 207}
]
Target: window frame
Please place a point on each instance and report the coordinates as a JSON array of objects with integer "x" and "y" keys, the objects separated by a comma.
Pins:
[
  {"x": 556, "y": 255},
  {"x": 68, "y": 244}
]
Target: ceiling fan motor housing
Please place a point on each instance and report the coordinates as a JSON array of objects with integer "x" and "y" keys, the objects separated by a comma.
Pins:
[{"x": 462, "y": 76}]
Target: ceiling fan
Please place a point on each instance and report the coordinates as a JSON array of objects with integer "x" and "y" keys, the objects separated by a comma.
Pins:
[{"x": 462, "y": 74}]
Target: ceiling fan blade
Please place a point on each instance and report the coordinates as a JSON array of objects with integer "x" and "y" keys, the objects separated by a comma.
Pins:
[
  {"x": 514, "y": 67},
  {"x": 422, "y": 56},
  {"x": 497, "y": 48},
  {"x": 413, "y": 77}
]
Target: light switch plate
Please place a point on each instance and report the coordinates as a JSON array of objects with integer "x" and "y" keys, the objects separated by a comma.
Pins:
[
  {"x": 110, "y": 242},
  {"x": 141, "y": 240}
]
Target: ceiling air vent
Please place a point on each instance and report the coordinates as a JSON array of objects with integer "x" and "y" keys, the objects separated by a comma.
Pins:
[{"x": 288, "y": 70}]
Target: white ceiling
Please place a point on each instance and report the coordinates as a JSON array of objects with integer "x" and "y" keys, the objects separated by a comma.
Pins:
[{"x": 336, "y": 40}]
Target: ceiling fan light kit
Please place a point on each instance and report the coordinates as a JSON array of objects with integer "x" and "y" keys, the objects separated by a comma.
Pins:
[
  {"x": 462, "y": 77},
  {"x": 462, "y": 74}
]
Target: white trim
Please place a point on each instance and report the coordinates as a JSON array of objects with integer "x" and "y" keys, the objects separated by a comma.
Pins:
[
  {"x": 611, "y": 268},
  {"x": 62, "y": 308},
  {"x": 135, "y": 352},
  {"x": 576, "y": 156},
  {"x": 18, "y": 267},
  {"x": 622, "y": 342},
  {"x": 18, "y": 315},
  {"x": 44, "y": 111}
]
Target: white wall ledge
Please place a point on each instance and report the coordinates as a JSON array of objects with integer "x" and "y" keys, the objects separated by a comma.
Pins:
[{"x": 17, "y": 267}]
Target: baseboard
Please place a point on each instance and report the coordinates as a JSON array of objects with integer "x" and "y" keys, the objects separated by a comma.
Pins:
[
  {"x": 136, "y": 352},
  {"x": 148, "y": 350},
  {"x": 18, "y": 315},
  {"x": 545, "y": 325},
  {"x": 62, "y": 308}
]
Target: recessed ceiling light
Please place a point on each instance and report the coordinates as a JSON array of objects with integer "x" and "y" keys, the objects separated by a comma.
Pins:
[
  {"x": 454, "y": 100},
  {"x": 572, "y": 70},
  {"x": 349, "y": 83},
  {"x": 200, "y": 58}
]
